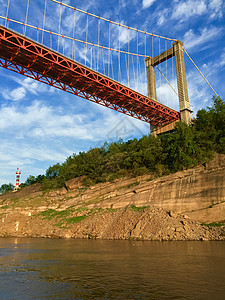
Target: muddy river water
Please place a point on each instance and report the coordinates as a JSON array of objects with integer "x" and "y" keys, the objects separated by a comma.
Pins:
[{"x": 98, "y": 269}]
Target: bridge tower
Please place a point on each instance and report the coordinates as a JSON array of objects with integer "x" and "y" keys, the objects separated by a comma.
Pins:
[{"x": 151, "y": 62}]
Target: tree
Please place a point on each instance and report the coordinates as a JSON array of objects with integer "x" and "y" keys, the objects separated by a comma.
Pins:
[
  {"x": 181, "y": 148},
  {"x": 53, "y": 171},
  {"x": 6, "y": 188},
  {"x": 210, "y": 125}
]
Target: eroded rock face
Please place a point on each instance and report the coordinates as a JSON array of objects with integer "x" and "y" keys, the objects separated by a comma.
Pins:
[
  {"x": 74, "y": 183},
  {"x": 145, "y": 224},
  {"x": 174, "y": 203}
]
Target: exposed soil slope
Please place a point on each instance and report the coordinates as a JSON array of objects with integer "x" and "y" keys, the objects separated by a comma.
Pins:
[{"x": 144, "y": 208}]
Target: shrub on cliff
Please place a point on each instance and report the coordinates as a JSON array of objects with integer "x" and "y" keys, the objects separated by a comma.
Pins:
[{"x": 210, "y": 126}]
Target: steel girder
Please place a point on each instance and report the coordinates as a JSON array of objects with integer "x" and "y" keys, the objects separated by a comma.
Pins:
[{"x": 26, "y": 57}]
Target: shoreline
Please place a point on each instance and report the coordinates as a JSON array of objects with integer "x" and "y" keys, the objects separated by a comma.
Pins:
[{"x": 131, "y": 223}]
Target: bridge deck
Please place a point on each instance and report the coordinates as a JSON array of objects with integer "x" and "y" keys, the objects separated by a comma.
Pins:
[{"x": 26, "y": 57}]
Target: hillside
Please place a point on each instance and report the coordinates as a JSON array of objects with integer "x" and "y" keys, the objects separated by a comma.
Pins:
[{"x": 167, "y": 208}]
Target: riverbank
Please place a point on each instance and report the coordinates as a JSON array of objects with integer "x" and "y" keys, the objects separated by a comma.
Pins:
[
  {"x": 173, "y": 207},
  {"x": 137, "y": 223}
]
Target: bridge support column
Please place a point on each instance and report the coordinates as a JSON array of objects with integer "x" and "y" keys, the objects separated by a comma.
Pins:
[
  {"x": 151, "y": 62},
  {"x": 151, "y": 85},
  {"x": 151, "y": 79},
  {"x": 185, "y": 111}
]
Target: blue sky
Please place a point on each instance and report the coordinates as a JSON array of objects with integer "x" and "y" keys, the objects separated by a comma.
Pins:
[{"x": 40, "y": 125}]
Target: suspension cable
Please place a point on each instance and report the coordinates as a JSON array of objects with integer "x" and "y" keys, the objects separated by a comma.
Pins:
[
  {"x": 98, "y": 41},
  {"x": 134, "y": 73},
  {"x": 86, "y": 40},
  {"x": 167, "y": 80},
  {"x": 112, "y": 66},
  {"x": 60, "y": 14},
  {"x": 125, "y": 57},
  {"x": 103, "y": 61},
  {"x": 71, "y": 38},
  {"x": 109, "y": 55},
  {"x": 42, "y": 40},
  {"x": 137, "y": 60},
  {"x": 115, "y": 23},
  {"x": 25, "y": 27},
  {"x": 7, "y": 12},
  {"x": 119, "y": 70},
  {"x": 200, "y": 72},
  {"x": 128, "y": 56},
  {"x": 74, "y": 24}
]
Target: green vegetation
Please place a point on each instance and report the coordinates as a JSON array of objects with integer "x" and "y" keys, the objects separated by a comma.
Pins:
[
  {"x": 51, "y": 213},
  {"x": 69, "y": 216},
  {"x": 185, "y": 147},
  {"x": 76, "y": 219},
  {"x": 213, "y": 224},
  {"x": 137, "y": 208},
  {"x": 5, "y": 207},
  {"x": 6, "y": 188}
]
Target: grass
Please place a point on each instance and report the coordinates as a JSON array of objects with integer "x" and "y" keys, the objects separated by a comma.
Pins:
[
  {"x": 214, "y": 224},
  {"x": 135, "y": 208},
  {"x": 64, "y": 217},
  {"x": 92, "y": 201},
  {"x": 49, "y": 214},
  {"x": 5, "y": 207},
  {"x": 111, "y": 209},
  {"x": 75, "y": 219}
]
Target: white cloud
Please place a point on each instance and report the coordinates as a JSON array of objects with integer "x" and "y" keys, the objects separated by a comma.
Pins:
[
  {"x": 215, "y": 6},
  {"x": 222, "y": 60},
  {"x": 184, "y": 10},
  {"x": 207, "y": 35},
  {"x": 147, "y": 3},
  {"x": 189, "y": 8},
  {"x": 15, "y": 94}
]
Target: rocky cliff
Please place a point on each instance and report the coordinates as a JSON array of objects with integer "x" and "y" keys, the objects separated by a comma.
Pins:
[{"x": 170, "y": 207}]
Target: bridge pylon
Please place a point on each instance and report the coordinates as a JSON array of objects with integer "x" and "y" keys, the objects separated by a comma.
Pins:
[{"x": 184, "y": 106}]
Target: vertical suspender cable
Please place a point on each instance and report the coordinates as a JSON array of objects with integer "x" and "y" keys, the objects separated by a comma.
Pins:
[
  {"x": 137, "y": 61},
  {"x": 119, "y": 71},
  {"x": 74, "y": 24},
  {"x": 112, "y": 65},
  {"x": 60, "y": 15},
  {"x": 86, "y": 41},
  {"x": 103, "y": 61},
  {"x": 24, "y": 27},
  {"x": 135, "y": 78},
  {"x": 125, "y": 57},
  {"x": 42, "y": 40},
  {"x": 91, "y": 57},
  {"x": 37, "y": 34},
  {"x": 94, "y": 58},
  {"x": 98, "y": 41},
  {"x": 145, "y": 83},
  {"x": 159, "y": 65},
  {"x": 152, "y": 47},
  {"x": 166, "y": 72},
  {"x": 109, "y": 56},
  {"x": 50, "y": 40},
  {"x": 128, "y": 56},
  {"x": 173, "y": 77},
  {"x": 7, "y": 12}
]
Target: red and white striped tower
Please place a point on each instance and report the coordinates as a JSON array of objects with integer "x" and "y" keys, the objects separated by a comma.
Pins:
[{"x": 17, "y": 178}]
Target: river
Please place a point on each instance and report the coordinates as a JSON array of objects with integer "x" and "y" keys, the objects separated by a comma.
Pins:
[{"x": 98, "y": 269}]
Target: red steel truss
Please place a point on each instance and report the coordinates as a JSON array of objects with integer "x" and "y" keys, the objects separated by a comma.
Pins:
[{"x": 26, "y": 57}]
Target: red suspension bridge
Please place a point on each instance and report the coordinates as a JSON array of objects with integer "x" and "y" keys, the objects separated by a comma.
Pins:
[{"x": 51, "y": 63}]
